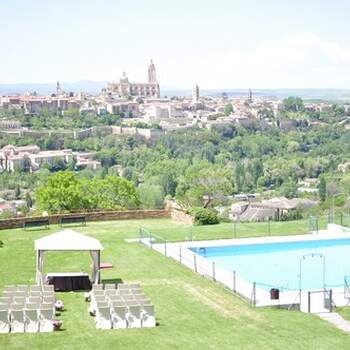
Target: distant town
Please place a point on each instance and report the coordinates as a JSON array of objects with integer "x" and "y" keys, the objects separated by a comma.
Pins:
[
  {"x": 138, "y": 104},
  {"x": 69, "y": 131}
]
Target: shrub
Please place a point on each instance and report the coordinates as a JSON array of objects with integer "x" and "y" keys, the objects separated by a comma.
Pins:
[{"x": 204, "y": 216}]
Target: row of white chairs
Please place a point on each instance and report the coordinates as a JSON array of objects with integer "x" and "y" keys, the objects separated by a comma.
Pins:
[
  {"x": 9, "y": 300},
  {"x": 121, "y": 306},
  {"x": 116, "y": 316},
  {"x": 29, "y": 288},
  {"x": 29, "y": 320},
  {"x": 115, "y": 293},
  {"x": 125, "y": 299},
  {"x": 109, "y": 286}
]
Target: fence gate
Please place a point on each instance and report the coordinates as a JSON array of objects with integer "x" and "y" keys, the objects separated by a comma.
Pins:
[{"x": 317, "y": 301}]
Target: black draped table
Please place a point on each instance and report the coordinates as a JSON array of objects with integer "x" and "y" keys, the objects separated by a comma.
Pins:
[{"x": 68, "y": 281}]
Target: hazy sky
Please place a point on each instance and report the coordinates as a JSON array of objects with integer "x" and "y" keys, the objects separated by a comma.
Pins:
[{"x": 217, "y": 44}]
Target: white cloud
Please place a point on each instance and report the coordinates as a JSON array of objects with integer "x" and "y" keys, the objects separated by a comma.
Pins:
[{"x": 301, "y": 61}]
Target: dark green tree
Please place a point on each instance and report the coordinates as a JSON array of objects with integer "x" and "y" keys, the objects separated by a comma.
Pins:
[{"x": 322, "y": 189}]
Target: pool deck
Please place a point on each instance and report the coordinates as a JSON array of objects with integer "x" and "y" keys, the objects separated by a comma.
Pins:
[{"x": 180, "y": 251}]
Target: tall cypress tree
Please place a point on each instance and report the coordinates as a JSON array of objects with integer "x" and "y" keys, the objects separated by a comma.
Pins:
[{"x": 322, "y": 191}]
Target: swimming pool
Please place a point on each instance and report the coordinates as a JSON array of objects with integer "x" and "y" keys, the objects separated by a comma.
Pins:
[{"x": 278, "y": 265}]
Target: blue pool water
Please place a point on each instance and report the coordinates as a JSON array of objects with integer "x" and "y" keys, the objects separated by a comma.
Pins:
[{"x": 278, "y": 264}]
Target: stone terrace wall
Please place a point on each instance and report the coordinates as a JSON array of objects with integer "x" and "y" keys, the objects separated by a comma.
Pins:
[
  {"x": 91, "y": 216},
  {"x": 181, "y": 216}
]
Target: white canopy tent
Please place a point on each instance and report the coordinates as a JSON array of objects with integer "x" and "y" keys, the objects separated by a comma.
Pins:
[{"x": 67, "y": 240}]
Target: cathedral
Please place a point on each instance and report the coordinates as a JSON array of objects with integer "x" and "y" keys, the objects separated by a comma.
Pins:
[{"x": 126, "y": 88}]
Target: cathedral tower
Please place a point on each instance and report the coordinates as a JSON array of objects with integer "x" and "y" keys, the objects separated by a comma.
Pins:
[{"x": 152, "y": 76}]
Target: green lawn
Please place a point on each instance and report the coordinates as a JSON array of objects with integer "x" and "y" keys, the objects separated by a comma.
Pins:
[
  {"x": 193, "y": 312},
  {"x": 179, "y": 232}
]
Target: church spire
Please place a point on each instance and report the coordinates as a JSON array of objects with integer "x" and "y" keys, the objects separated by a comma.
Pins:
[{"x": 152, "y": 76}]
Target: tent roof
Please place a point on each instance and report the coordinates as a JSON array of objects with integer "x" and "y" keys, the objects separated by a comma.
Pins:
[{"x": 67, "y": 240}]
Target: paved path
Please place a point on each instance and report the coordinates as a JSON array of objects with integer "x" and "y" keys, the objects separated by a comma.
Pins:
[{"x": 336, "y": 320}]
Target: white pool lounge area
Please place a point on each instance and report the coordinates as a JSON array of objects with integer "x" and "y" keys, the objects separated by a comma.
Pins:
[{"x": 308, "y": 271}]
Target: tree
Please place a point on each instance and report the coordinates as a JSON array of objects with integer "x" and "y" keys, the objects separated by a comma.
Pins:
[
  {"x": 61, "y": 193},
  {"x": 151, "y": 196},
  {"x": 228, "y": 109},
  {"x": 25, "y": 165},
  {"x": 111, "y": 192},
  {"x": 29, "y": 201},
  {"x": 202, "y": 184},
  {"x": 293, "y": 104},
  {"x": 17, "y": 192},
  {"x": 322, "y": 189}
]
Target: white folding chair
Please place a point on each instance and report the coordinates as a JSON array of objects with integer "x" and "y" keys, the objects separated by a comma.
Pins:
[
  {"x": 110, "y": 292},
  {"x": 20, "y": 294},
  {"x": 99, "y": 298},
  {"x": 109, "y": 286},
  {"x": 128, "y": 297},
  {"x": 123, "y": 286},
  {"x": 147, "y": 316},
  {"x": 124, "y": 291},
  {"x": 4, "y": 320},
  {"x": 45, "y": 320},
  {"x": 34, "y": 293},
  {"x": 119, "y": 316},
  {"x": 32, "y": 306},
  {"x": 113, "y": 298},
  {"x": 144, "y": 301},
  {"x": 136, "y": 291},
  {"x": 97, "y": 293},
  {"x": 17, "y": 307},
  {"x": 100, "y": 304},
  {"x": 19, "y": 300},
  {"x": 8, "y": 294},
  {"x": 97, "y": 287},
  {"x": 134, "y": 316},
  {"x": 117, "y": 303},
  {"x": 139, "y": 296},
  {"x": 48, "y": 300},
  {"x": 5, "y": 301},
  {"x": 48, "y": 288},
  {"x": 22, "y": 288},
  {"x": 103, "y": 318},
  {"x": 31, "y": 324},
  {"x": 34, "y": 300},
  {"x": 10, "y": 288},
  {"x": 17, "y": 321},
  {"x": 35, "y": 288},
  {"x": 135, "y": 286},
  {"x": 49, "y": 306}
]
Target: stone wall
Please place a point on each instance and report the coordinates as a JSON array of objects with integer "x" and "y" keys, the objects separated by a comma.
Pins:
[
  {"x": 91, "y": 216},
  {"x": 181, "y": 216}
]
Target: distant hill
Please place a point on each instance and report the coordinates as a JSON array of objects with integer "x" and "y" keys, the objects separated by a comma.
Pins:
[{"x": 94, "y": 87}]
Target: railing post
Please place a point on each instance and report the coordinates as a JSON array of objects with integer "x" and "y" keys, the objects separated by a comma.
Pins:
[
  {"x": 269, "y": 226},
  {"x": 165, "y": 248},
  {"x": 253, "y": 301},
  {"x": 341, "y": 219},
  {"x": 234, "y": 281},
  {"x": 308, "y": 302},
  {"x": 180, "y": 254},
  {"x": 150, "y": 240},
  {"x": 213, "y": 270},
  {"x": 194, "y": 262},
  {"x": 331, "y": 300},
  {"x": 235, "y": 229}
]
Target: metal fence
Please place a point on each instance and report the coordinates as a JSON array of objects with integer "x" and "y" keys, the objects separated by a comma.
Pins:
[{"x": 255, "y": 293}]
